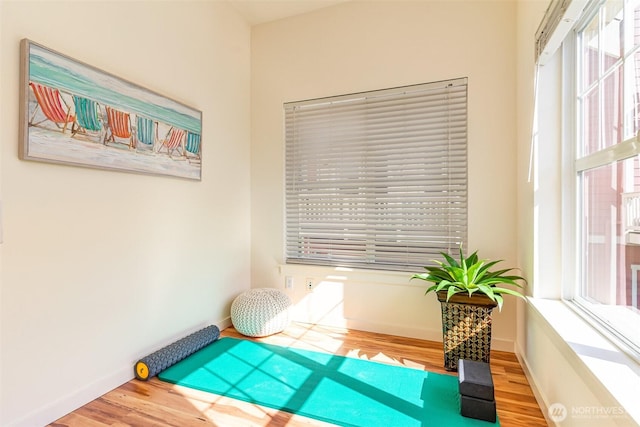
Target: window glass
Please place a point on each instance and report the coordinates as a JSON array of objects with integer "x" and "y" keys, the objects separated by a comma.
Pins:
[
  {"x": 611, "y": 34},
  {"x": 632, "y": 98},
  {"x": 589, "y": 53},
  {"x": 612, "y": 127},
  {"x": 611, "y": 245},
  {"x": 608, "y": 169},
  {"x": 602, "y": 194},
  {"x": 632, "y": 30},
  {"x": 591, "y": 121}
]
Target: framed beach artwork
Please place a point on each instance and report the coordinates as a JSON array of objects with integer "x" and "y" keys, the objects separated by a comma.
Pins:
[{"x": 75, "y": 114}]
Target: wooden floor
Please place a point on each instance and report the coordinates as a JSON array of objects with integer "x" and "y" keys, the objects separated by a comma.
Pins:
[{"x": 155, "y": 403}]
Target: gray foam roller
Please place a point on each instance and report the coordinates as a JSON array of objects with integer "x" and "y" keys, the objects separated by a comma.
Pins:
[{"x": 160, "y": 360}]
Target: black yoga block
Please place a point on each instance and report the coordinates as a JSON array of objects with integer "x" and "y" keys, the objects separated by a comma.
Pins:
[
  {"x": 479, "y": 409},
  {"x": 474, "y": 379}
]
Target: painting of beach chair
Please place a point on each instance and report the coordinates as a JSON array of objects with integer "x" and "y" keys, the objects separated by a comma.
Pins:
[
  {"x": 173, "y": 141},
  {"x": 50, "y": 103},
  {"x": 76, "y": 114},
  {"x": 118, "y": 126},
  {"x": 146, "y": 133},
  {"x": 192, "y": 147},
  {"x": 87, "y": 116}
]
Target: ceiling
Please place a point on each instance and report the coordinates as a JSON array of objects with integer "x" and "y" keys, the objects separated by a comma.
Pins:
[{"x": 260, "y": 11}]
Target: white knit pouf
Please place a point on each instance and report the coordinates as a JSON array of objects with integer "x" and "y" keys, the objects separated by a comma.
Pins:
[{"x": 260, "y": 312}]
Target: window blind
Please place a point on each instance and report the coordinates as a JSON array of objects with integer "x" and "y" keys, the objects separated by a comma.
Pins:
[
  {"x": 377, "y": 179},
  {"x": 558, "y": 20}
]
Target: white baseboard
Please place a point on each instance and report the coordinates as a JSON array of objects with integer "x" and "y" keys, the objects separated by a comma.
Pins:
[
  {"x": 224, "y": 323},
  {"x": 405, "y": 331},
  {"x": 70, "y": 402},
  {"x": 542, "y": 402}
]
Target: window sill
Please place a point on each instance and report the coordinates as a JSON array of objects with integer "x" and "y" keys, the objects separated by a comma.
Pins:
[
  {"x": 624, "y": 319},
  {"x": 596, "y": 358}
]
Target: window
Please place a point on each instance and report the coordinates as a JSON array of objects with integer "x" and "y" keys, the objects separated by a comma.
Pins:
[
  {"x": 377, "y": 179},
  {"x": 607, "y": 165}
]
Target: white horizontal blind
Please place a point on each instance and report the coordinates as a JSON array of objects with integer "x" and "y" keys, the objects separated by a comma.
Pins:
[
  {"x": 377, "y": 179},
  {"x": 558, "y": 20}
]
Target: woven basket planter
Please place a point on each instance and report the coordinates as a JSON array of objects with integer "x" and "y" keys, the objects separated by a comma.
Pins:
[{"x": 466, "y": 328}]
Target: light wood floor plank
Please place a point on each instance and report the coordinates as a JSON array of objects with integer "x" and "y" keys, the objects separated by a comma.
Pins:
[{"x": 156, "y": 403}]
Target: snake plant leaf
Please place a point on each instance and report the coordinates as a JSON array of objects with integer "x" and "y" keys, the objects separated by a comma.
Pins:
[
  {"x": 471, "y": 275},
  {"x": 487, "y": 265},
  {"x": 450, "y": 260},
  {"x": 443, "y": 285},
  {"x": 421, "y": 276},
  {"x": 474, "y": 271},
  {"x": 451, "y": 291},
  {"x": 500, "y": 272},
  {"x": 473, "y": 258},
  {"x": 488, "y": 290},
  {"x": 464, "y": 275},
  {"x": 512, "y": 281},
  {"x": 498, "y": 281},
  {"x": 508, "y": 291},
  {"x": 431, "y": 289}
]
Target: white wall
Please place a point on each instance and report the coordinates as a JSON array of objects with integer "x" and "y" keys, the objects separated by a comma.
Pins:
[
  {"x": 359, "y": 46},
  {"x": 100, "y": 268}
]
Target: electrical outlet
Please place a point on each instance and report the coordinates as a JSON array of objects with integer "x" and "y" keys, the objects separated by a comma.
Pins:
[
  {"x": 309, "y": 284},
  {"x": 288, "y": 282}
]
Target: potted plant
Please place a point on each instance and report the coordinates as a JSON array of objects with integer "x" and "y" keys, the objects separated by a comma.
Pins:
[{"x": 468, "y": 291}]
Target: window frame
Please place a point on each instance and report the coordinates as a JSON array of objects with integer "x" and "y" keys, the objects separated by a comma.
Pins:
[{"x": 576, "y": 164}]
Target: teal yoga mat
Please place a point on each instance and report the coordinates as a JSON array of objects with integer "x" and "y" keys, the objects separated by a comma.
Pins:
[{"x": 336, "y": 389}]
